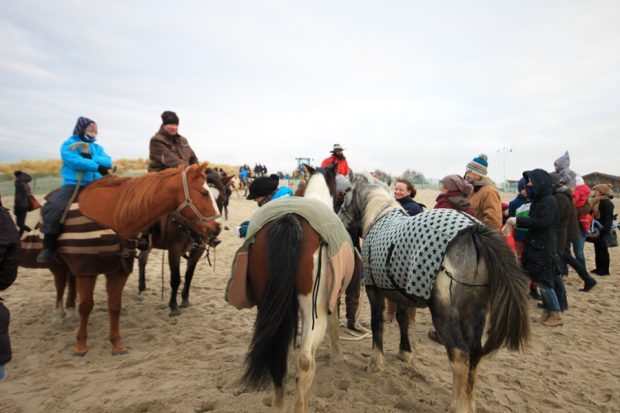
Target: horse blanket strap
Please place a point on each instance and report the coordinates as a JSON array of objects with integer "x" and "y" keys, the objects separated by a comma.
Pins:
[{"x": 405, "y": 253}]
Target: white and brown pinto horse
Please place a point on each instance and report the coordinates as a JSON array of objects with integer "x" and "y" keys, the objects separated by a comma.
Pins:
[{"x": 289, "y": 269}]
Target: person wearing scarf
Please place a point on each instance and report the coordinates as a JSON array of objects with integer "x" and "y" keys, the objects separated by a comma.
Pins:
[
  {"x": 81, "y": 164},
  {"x": 603, "y": 211}
]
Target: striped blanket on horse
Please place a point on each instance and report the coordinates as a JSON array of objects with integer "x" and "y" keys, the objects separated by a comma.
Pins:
[
  {"x": 405, "y": 253},
  {"x": 91, "y": 248}
]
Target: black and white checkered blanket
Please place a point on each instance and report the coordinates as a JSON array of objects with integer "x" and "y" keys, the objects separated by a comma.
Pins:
[{"x": 405, "y": 253}]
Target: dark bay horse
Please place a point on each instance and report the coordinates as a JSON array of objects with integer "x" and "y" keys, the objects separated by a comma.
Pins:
[
  {"x": 181, "y": 240},
  {"x": 478, "y": 277},
  {"x": 99, "y": 234},
  {"x": 288, "y": 271}
]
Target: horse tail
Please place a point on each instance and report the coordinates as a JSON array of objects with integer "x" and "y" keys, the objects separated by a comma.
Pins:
[
  {"x": 508, "y": 321},
  {"x": 276, "y": 322}
]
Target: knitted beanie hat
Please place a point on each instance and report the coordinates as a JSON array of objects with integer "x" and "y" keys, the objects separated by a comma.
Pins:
[
  {"x": 479, "y": 165},
  {"x": 169, "y": 118}
]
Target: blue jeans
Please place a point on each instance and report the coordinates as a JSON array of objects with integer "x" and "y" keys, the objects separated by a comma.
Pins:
[
  {"x": 560, "y": 292},
  {"x": 549, "y": 297},
  {"x": 578, "y": 246}
]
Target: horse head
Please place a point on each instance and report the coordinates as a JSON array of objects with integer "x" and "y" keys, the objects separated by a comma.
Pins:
[
  {"x": 198, "y": 202},
  {"x": 366, "y": 200}
]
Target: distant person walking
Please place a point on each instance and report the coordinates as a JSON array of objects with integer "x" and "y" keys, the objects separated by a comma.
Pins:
[
  {"x": 21, "y": 203},
  {"x": 603, "y": 211}
]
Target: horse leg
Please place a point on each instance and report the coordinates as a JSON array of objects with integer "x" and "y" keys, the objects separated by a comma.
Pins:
[
  {"x": 85, "y": 287},
  {"x": 71, "y": 296},
  {"x": 334, "y": 337},
  {"x": 174, "y": 261},
  {"x": 143, "y": 258},
  {"x": 310, "y": 340},
  {"x": 402, "y": 317},
  {"x": 114, "y": 286},
  {"x": 459, "y": 361},
  {"x": 60, "y": 281},
  {"x": 377, "y": 306},
  {"x": 194, "y": 256}
]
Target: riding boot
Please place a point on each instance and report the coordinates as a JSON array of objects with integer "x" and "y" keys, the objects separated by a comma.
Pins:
[
  {"x": 544, "y": 317},
  {"x": 554, "y": 320},
  {"x": 49, "y": 248}
]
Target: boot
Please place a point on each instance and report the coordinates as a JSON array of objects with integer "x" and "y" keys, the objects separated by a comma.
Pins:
[
  {"x": 554, "y": 320},
  {"x": 534, "y": 293},
  {"x": 589, "y": 283},
  {"x": 544, "y": 317},
  {"x": 49, "y": 248}
]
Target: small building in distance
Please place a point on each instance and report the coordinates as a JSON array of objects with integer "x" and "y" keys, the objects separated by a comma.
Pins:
[{"x": 596, "y": 178}]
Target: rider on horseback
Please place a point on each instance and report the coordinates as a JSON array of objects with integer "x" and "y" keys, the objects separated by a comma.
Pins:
[
  {"x": 83, "y": 161},
  {"x": 167, "y": 149}
]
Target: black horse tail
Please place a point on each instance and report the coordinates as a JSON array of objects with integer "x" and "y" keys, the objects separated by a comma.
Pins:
[
  {"x": 508, "y": 321},
  {"x": 276, "y": 322}
]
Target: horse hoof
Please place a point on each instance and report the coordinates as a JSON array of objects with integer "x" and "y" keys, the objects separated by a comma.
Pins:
[
  {"x": 175, "y": 312},
  {"x": 185, "y": 304},
  {"x": 405, "y": 356},
  {"x": 80, "y": 353},
  {"x": 119, "y": 352}
]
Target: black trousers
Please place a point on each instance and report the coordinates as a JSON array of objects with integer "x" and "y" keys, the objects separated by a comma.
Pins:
[
  {"x": 601, "y": 255},
  {"x": 54, "y": 208},
  {"x": 5, "y": 342}
]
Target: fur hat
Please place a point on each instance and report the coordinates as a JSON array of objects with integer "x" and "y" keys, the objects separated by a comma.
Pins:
[
  {"x": 479, "y": 165},
  {"x": 169, "y": 118},
  {"x": 605, "y": 189},
  {"x": 263, "y": 186}
]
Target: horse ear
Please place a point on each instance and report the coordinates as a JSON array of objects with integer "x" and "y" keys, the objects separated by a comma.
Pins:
[
  {"x": 200, "y": 170},
  {"x": 308, "y": 169},
  {"x": 226, "y": 179}
]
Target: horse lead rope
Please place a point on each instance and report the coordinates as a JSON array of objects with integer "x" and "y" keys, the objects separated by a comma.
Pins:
[{"x": 315, "y": 287}]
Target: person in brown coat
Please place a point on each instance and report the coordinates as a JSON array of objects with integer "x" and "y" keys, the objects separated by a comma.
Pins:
[
  {"x": 485, "y": 200},
  {"x": 168, "y": 149}
]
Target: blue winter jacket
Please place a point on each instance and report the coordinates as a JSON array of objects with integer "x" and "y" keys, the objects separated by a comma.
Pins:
[{"x": 73, "y": 162}]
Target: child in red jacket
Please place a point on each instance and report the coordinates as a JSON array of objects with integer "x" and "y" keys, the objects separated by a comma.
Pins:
[{"x": 581, "y": 194}]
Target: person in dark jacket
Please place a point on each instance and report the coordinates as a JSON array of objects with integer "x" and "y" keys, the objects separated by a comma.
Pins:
[
  {"x": 404, "y": 192},
  {"x": 603, "y": 211},
  {"x": 9, "y": 259},
  {"x": 540, "y": 249},
  {"x": 21, "y": 204},
  {"x": 568, "y": 231}
]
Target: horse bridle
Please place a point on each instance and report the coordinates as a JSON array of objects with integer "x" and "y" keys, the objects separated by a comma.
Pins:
[{"x": 189, "y": 203}]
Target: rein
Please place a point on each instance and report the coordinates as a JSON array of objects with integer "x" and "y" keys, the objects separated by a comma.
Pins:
[{"x": 189, "y": 203}]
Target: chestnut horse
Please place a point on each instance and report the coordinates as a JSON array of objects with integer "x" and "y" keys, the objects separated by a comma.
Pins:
[
  {"x": 285, "y": 263},
  {"x": 126, "y": 206},
  {"x": 477, "y": 277},
  {"x": 180, "y": 240}
]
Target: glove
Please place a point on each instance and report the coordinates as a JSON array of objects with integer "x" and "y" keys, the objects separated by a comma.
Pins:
[
  {"x": 102, "y": 170},
  {"x": 511, "y": 222},
  {"x": 86, "y": 155}
]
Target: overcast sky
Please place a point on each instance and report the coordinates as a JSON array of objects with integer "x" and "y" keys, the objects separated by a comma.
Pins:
[{"x": 421, "y": 85}]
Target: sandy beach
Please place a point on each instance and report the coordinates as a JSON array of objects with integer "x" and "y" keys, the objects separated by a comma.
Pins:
[{"x": 191, "y": 363}]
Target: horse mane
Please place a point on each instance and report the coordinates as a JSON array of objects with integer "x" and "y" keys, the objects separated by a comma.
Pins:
[
  {"x": 378, "y": 200},
  {"x": 135, "y": 195}
]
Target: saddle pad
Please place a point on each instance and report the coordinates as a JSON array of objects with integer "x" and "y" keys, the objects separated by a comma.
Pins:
[{"x": 405, "y": 253}]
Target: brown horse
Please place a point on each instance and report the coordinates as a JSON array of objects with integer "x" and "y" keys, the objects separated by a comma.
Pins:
[
  {"x": 180, "y": 240},
  {"x": 121, "y": 208},
  {"x": 289, "y": 270}
]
